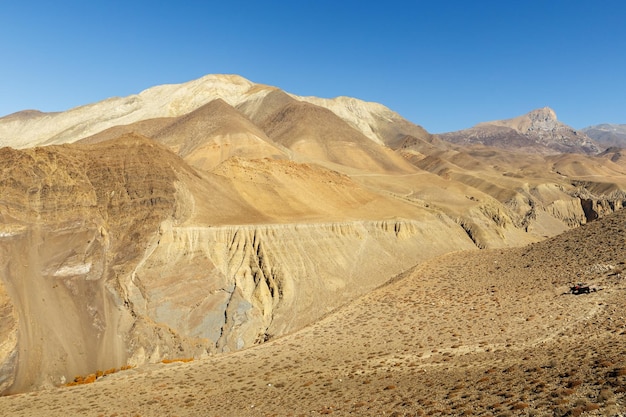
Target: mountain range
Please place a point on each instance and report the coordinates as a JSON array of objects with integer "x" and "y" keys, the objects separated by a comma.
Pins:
[
  {"x": 538, "y": 131},
  {"x": 608, "y": 135},
  {"x": 200, "y": 219}
]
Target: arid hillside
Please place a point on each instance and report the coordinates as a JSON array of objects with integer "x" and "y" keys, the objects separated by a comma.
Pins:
[
  {"x": 492, "y": 332},
  {"x": 200, "y": 219}
]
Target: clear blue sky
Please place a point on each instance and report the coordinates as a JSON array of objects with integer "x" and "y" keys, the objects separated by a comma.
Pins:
[{"x": 445, "y": 65}]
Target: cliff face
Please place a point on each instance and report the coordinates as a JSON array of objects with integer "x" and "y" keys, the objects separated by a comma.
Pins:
[
  {"x": 193, "y": 291},
  {"x": 234, "y": 286},
  {"x": 71, "y": 221},
  {"x": 8, "y": 345}
]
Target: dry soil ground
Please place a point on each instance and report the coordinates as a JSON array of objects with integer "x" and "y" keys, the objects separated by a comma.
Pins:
[{"x": 481, "y": 333}]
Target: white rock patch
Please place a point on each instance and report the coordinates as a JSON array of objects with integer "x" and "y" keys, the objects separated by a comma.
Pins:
[{"x": 69, "y": 270}]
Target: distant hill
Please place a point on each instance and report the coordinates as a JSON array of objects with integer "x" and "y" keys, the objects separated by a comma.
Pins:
[
  {"x": 538, "y": 131},
  {"x": 608, "y": 135}
]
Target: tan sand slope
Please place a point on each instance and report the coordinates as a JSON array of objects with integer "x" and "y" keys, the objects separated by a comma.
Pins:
[
  {"x": 320, "y": 135},
  {"x": 204, "y": 138}
]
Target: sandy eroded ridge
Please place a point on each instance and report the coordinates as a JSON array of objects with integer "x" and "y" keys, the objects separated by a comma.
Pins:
[{"x": 469, "y": 333}]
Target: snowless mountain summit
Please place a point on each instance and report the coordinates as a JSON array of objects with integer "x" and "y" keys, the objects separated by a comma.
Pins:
[{"x": 32, "y": 128}]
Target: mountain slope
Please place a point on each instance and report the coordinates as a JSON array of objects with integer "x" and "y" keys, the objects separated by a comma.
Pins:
[
  {"x": 322, "y": 136},
  {"x": 119, "y": 251}
]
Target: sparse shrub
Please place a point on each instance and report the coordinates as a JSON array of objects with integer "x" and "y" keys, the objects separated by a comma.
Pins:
[
  {"x": 620, "y": 371},
  {"x": 565, "y": 392},
  {"x": 605, "y": 395},
  {"x": 89, "y": 379},
  {"x": 519, "y": 406},
  {"x": 574, "y": 383},
  {"x": 110, "y": 371},
  {"x": 78, "y": 380}
]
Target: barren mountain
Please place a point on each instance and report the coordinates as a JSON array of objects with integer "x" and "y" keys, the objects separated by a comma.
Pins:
[
  {"x": 320, "y": 135},
  {"x": 536, "y": 132},
  {"x": 607, "y": 135},
  {"x": 200, "y": 219},
  {"x": 32, "y": 128}
]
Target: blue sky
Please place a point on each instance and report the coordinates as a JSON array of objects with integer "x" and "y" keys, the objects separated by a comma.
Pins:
[{"x": 445, "y": 65}]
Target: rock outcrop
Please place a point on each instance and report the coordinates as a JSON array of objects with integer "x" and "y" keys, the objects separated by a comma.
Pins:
[{"x": 259, "y": 282}]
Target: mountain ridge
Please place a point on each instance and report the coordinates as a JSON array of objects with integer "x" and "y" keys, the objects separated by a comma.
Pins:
[{"x": 170, "y": 100}]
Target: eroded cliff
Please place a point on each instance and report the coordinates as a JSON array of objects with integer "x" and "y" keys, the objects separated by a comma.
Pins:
[
  {"x": 234, "y": 286},
  {"x": 118, "y": 253}
]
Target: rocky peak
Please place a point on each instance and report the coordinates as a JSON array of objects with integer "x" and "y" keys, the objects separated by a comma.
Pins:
[
  {"x": 537, "y": 131},
  {"x": 542, "y": 120},
  {"x": 543, "y": 114}
]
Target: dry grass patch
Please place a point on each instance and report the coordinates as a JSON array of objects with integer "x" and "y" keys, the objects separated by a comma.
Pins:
[{"x": 184, "y": 360}]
